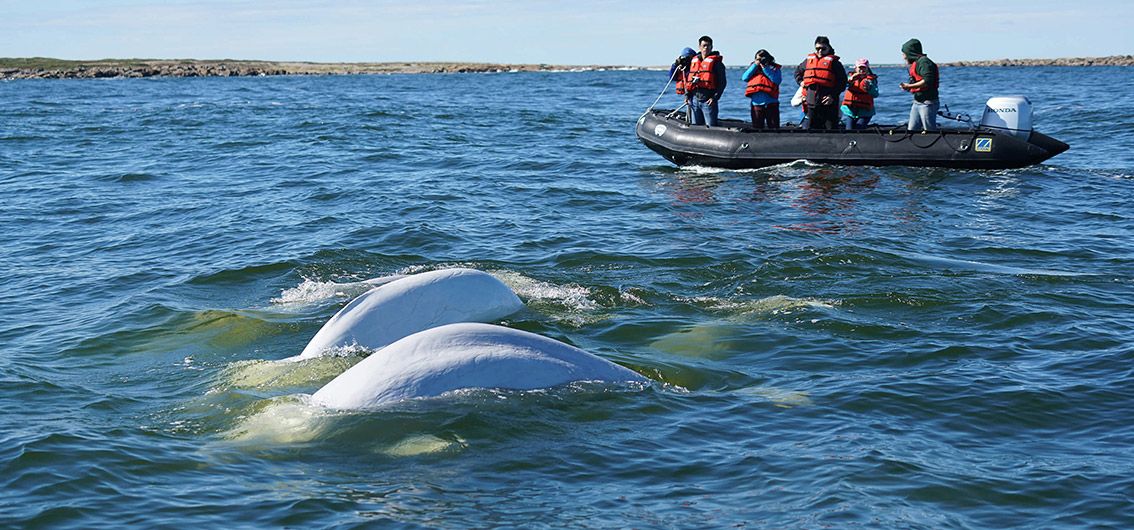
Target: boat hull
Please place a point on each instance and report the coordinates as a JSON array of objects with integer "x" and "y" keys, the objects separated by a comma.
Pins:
[{"x": 735, "y": 145}]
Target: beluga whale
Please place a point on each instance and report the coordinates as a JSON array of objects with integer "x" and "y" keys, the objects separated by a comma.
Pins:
[
  {"x": 410, "y": 304},
  {"x": 464, "y": 356}
]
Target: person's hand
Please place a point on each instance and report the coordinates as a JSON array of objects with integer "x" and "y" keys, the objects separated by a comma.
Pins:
[
  {"x": 905, "y": 86},
  {"x": 709, "y": 102}
]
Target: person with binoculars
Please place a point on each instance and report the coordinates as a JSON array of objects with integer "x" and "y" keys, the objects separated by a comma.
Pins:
[{"x": 764, "y": 78}]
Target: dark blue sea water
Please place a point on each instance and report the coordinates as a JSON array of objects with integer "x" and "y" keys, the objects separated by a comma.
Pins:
[{"x": 829, "y": 346}]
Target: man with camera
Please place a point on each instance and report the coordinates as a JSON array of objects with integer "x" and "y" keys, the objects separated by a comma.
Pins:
[
  {"x": 679, "y": 70},
  {"x": 764, "y": 77}
]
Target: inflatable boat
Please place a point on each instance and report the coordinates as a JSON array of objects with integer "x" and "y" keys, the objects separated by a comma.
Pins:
[{"x": 1003, "y": 139}]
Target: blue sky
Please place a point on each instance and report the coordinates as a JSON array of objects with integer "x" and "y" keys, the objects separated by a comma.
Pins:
[{"x": 565, "y": 32}]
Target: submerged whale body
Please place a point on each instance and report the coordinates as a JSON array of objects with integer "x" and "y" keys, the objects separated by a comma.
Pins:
[
  {"x": 459, "y": 356},
  {"x": 411, "y": 304}
]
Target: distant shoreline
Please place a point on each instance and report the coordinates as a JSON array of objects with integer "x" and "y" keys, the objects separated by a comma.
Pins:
[
  {"x": 47, "y": 68},
  {"x": 1111, "y": 60}
]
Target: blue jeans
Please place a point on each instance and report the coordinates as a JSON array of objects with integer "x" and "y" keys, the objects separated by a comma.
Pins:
[
  {"x": 923, "y": 116},
  {"x": 702, "y": 111}
]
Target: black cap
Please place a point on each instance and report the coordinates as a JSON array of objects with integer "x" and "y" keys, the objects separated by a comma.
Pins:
[{"x": 822, "y": 39}]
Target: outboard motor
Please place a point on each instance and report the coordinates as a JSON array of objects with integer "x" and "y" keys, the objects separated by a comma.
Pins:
[{"x": 1011, "y": 114}]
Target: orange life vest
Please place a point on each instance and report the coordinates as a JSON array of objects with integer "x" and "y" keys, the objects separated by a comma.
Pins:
[
  {"x": 701, "y": 72},
  {"x": 915, "y": 78},
  {"x": 681, "y": 81},
  {"x": 820, "y": 71},
  {"x": 856, "y": 95},
  {"x": 761, "y": 83}
]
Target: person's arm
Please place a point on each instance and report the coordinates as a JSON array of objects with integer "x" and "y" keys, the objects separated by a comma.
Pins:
[
  {"x": 872, "y": 87},
  {"x": 911, "y": 86},
  {"x": 928, "y": 75},
  {"x": 720, "y": 70},
  {"x": 774, "y": 74},
  {"x": 751, "y": 71},
  {"x": 840, "y": 77},
  {"x": 927, "y": 72}
]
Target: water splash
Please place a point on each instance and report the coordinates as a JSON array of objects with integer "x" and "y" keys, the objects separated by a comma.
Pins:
[
  {"x": 311, "y": 292},
  {"x": 570, "y": 296}
]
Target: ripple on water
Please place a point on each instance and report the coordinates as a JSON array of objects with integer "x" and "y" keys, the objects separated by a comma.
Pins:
[{"x": 828, "y": 346}]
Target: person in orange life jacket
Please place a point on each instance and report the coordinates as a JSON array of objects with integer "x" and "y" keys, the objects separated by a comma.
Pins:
[
  {"x": 707, "y": 79},
  {"x": 923, "y": 85},
  {"x": 862, "y": 88},
  {"x": 824, "y": 79},
  {"x": 764, "y": 77},
  {"x": 679, "y": 70}
]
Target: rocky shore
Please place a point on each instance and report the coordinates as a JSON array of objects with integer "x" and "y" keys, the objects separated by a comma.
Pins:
[
  {"x": 1113, "y": 60},
  {"x": 41, "y": 68},
  {"x": 45, "y": 68}
]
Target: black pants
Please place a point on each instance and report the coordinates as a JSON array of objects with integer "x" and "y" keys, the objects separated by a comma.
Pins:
[
  {"x": 823, "y": 117},
  {"x": 766, "y": 116}
]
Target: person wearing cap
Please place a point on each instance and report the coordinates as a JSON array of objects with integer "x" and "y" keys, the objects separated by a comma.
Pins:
[
  {"x": 922, "y": 84},
  {"x": 764, "y": 78},
  {"x": 679, "y": 70},
  {"x": 706, "y": 84},
  {"x": 823, "y": 79},
  {"x": 862, "y": 88}
]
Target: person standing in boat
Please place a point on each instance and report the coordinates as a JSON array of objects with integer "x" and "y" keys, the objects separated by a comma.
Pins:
[
  {"x": 679, "y": 70},
  {"x": 706, "y": 84},
  {"x": 862, "y": 88},
  {"x": 764, "y": 77},
  {"x": 923, "y": 85},
  {"x": 823, "y": 79}
]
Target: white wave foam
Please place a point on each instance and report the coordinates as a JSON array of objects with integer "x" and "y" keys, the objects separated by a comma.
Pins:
[
  {"x": 571, "y": 296},
  {"x": 314, "y": 291}
]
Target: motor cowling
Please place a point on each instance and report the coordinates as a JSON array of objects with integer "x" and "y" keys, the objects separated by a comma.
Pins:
[{"x": 1012, "y": 114}]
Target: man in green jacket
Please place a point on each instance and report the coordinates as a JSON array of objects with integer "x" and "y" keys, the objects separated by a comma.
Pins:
[{"x": 923, "y": 85}]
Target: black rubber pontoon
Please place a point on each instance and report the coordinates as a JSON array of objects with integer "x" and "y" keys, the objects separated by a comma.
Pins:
[{"x": 735, "y": 145}]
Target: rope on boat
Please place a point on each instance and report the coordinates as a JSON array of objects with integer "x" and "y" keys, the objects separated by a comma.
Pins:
[
  {"x": 964, "y": 146},
  {"x": 940, "y": 135},
  {"x": 662, "y": 93},
  {"x": 891, "y": 133},
  {"x": 675, "y": 111}
]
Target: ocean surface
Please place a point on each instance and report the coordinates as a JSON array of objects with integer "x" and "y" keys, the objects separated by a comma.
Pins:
[{"x": 827, "y": 347}]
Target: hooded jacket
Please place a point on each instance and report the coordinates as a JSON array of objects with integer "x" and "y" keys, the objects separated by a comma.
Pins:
[{"x": 925, "y": 68}]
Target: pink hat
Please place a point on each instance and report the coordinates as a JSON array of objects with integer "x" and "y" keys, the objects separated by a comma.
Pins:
[{"x": 862, "y": 62}]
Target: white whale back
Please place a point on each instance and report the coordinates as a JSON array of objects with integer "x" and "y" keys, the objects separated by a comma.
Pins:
[
  {"x": 411, "y": 304},
  {"x": 467, "y": 355}
]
